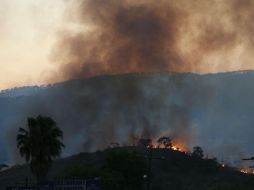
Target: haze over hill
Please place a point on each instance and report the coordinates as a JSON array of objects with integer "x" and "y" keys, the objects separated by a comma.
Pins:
[{"x": 214, "y": 111}]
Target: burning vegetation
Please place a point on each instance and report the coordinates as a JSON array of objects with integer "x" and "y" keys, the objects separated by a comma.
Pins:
[
  {"x": 147, "y": 36},
  {"x": 164, "y": 142},
  {"x": 247, "y": 171},
  {"x": 142, "y": 37},
  {"x": 138, "y": 37}
]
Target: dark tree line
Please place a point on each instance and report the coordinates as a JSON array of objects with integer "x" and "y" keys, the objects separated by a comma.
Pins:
[{"x": 41, "y": 142}]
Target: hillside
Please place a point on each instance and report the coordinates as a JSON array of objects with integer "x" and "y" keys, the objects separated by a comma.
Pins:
[
  {"x": 170, "y": 169},
  {"x": 214, "y": 111}
]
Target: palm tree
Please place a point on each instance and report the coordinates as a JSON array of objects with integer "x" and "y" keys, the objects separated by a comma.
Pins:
[{"x": 40, "y": 144}]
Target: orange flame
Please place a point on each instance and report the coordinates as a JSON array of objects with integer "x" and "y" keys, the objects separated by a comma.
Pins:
[
  {"x": 174, "y": 147},
  {"x": 247, "y": 171}
]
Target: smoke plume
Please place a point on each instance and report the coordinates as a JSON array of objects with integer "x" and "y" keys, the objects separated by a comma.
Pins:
[
  {"x": 116, "y": 37},
  {"x": 145, "y": 36},
  {"x": 113, "y": 37}
]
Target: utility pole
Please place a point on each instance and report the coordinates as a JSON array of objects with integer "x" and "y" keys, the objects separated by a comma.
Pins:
[
  {"x": 149, "y": 159},
  {"x": 149, "y": 165},
  {"x": 26, "y": 181}
]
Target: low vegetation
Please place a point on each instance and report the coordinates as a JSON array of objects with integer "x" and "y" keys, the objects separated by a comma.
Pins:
[{"x": 120, "y": 170}]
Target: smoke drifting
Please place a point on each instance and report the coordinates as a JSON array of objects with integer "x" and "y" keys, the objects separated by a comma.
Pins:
[
  {"x": 125, "y": 37},
  {"x": 128, "y": 36},
  {"x": 155, "y": 36},
  {"x": 93, "y": 113},
  {"x": 96, "y": 112}
]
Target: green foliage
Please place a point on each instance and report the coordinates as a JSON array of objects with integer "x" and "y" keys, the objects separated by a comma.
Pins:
[
  {"x": 40, "y": 144},
  {"x": 131, "y": 165},
  {"x": 82, "y": 171},
  {"x": 121, "y": 170},
  {"x": 111, "y": 180}
]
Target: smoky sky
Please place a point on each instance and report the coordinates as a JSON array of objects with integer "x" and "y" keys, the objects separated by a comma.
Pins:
[
  {"x": 211, "y": 111},
  {"x": 119, "y": 37},
  {"x": 50, "y": 41},
  {"x": 93, "y": 113},
  {"x": 150, "y": 36}
]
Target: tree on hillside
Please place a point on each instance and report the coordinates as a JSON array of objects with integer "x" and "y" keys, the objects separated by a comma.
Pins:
[
  {"x": 121, "y": 170},
  {"x": 130, "y": 165},
  {"x": 40, "y": 144},
  {"x": 145, "y": 143},
  {"x": 165, "y": 142},
  {"x": 198, "y": 152},
  {"x": 111, "y": 180}
]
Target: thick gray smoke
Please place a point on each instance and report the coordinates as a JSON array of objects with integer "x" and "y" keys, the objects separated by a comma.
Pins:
[
  {"x": 96, "y": 112},
  {"x": 117, "y": 37}
]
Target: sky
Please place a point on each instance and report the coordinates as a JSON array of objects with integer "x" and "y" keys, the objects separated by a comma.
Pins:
[
  {"x": 28, "y": 29},
  {"x": 216, "y": 36}
]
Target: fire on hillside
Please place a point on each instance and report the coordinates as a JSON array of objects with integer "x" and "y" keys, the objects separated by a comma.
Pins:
[
  {"x": 162, "y": 143},
  {"x": 173, "y": 147},
  {"x": 247, "y": 171},
  {"x": 167, "y": 143}
]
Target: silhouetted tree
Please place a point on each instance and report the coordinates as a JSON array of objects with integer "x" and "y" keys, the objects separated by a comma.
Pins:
[
  {"x": 198, "y": 152},
  {"x": 145, "y": 143},
  {"x": 130, "y": 165},
  {"x": 82, "y": 171},
  {"x": 40, "y": 144},
  {"x": 111, "y": 180},
  {"x": 165, "y": 142},
  {"x": 121, "y": 170}
]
